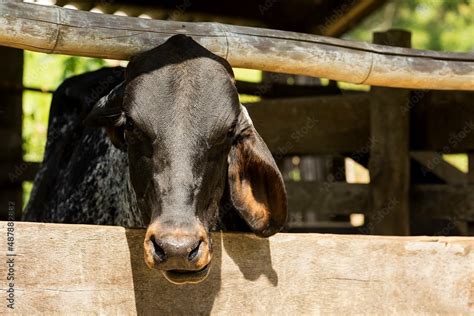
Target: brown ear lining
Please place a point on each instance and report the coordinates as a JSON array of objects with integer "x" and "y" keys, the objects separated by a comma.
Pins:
[{"x": 256, "y": 186}]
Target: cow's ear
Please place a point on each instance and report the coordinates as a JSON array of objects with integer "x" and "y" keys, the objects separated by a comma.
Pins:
[
  {"x": 108, "y": 113},
  {"x": 256, "y": 186}
]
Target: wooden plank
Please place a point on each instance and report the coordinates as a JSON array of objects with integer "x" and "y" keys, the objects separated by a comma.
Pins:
[
  {"x": 56, "y": 30},
  {"x": 451, "y": 202},
  {"x": 62, "y": 269},
  {"x": 306, "y": 125},
  {"x": 389, "y": 164},
  {"x": 433, "y": 162},
  {"x": 440, "y": 201},
  {"x": 328, "y": 198},
  {"x": 283, "y": 90},
  {"x": 440, "y": 121}
]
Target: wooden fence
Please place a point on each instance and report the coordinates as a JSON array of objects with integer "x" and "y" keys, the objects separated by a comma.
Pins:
[
  {"x": 72, "y": 269},
  {"x": 57, "y": 30},
  {"x": 377, "y": 123},
  {"x": 97, "y": 269}
]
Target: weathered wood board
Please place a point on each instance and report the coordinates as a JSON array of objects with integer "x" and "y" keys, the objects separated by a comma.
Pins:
[
  {"x": 61, "y": 31},
  {"x": 440, "y": 201},
  {"x": 71, "y": 269},
  {"x": 441, "y": 121}
]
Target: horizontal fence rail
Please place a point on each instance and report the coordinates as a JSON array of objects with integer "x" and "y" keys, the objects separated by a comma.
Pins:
[
  {"x": 62, "y": 31},
  {"x": 62, "y": 269}
]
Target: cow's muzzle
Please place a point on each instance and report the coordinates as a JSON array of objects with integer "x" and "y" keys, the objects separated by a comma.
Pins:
[{"x": 183, "y": 255}]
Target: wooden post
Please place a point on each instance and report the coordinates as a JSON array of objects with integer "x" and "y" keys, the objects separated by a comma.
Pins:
[
  {"x": 389, "y": 154},
  {"x": 11, "y": 77}
]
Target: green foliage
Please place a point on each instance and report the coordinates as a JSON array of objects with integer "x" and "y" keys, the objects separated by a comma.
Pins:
[
  {"x": 35, "y": 118},
  {"x": 27, "y": 187},
  {"x": 444, "y": 25},
  {"x": 460, "y": 161},
  {"x": 249, "y": 75},
  {"x": 77, "y": 65},
  {"x": 45, "y": 72}
]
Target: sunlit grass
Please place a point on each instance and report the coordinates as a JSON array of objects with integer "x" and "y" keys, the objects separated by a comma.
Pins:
[
  {"x": 246, "y": 98},
  {"x": 459, "y": 161},
  {"x": 27, "y": 186},
  {"x": 249, "y": 75},
  {"x": 353, "y": 86}
]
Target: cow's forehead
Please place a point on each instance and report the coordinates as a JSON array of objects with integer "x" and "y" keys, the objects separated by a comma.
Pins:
[
  {"x": 198, "y": 93},
  {"x": 178, "y": 52},
  {"x": 181, "y": 82}
]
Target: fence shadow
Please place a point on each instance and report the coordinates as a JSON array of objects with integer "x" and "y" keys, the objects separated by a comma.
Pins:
[
  {"x": 252, "y": 255},
  {"x": 154, "y": 295}
]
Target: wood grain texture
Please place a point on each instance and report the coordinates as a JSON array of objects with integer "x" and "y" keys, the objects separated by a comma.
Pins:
[
  {"x": 62, "y": 31},
  {"x": 70, "y": 269}
]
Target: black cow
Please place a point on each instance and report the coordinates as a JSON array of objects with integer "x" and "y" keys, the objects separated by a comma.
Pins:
[{"x": 182, "y": 157}]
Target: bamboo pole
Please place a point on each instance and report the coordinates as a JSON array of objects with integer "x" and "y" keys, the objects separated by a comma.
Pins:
[{"x": 56, "y": 30}]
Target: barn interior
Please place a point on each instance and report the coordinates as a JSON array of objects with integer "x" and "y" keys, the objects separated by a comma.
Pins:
[{"x": 350, "y": 164}]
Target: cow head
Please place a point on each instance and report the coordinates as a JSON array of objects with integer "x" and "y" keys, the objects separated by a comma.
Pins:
[{"x": 178, "y": 117}]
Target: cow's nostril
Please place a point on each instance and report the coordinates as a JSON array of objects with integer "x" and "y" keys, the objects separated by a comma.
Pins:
[
  {"x": 193, "y": 253},
  {"x": 159, "y": 252}
]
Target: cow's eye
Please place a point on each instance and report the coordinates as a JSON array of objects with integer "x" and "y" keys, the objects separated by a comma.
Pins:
[{"x": 129, "y": 125}]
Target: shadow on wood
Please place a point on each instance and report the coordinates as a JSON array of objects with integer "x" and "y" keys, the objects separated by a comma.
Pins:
[{"x": 153, "y": 293}]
